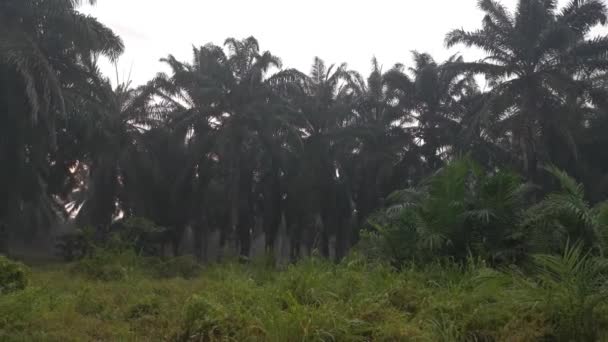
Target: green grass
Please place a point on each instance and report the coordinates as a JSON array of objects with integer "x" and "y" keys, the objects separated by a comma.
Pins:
[{"x": 313, "y": 300}]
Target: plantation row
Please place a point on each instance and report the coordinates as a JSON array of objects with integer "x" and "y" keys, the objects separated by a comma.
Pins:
[{"x": 232, "y": 142}]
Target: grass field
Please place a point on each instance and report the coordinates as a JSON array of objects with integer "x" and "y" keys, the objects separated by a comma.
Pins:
[{"x": 313, "y": 300}]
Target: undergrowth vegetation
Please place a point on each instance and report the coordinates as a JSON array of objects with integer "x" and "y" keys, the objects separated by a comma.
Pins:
[
  {"x": 552, "y": 298},
  {"x": 464, "y": 210}
]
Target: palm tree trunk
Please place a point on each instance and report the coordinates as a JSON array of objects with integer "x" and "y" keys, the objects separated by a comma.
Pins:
[
  {"x": 295, "y": 237},
  {"x": 368, "y": 194},
  {"x": 327, "y": 221},
  {"x": 234, "y": 196},
  {"x": 200, "y": 239},
  {"x": 272, "y": 210},
  {"x": 244, "y": 230},
  {"x": 530, "y": 155},
  {"x": 342, "y": 240},
  {"x": 175, "y": 242},
  {"x": 3, "y": 238},
  {"x": 246, "y": 218},
  {"x": 343, "y": 231}
]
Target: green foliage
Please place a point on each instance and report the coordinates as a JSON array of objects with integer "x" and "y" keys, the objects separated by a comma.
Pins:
[
  {"x": 147, "y": 307},
  {"x": 462, "y": 209},
  {"x": 141, "y": 235},
  {"x": 572, "y": 289},
  {"x": 135, "y": 234},
  {"x": 18, "y": 312},
  {"x": 77, "y": 245},
  {"x": 13, "y": 275},
  {"x": 123, "y": 264},
  {"x": 566, "y": 215},
  {"x": 561, "y": 298},
  {"x": 106, "y": 265},
  {"x": 184, "y": 266}
]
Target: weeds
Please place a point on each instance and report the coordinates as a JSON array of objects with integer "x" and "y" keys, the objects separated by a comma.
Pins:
[{"x": 562, "y": 299}]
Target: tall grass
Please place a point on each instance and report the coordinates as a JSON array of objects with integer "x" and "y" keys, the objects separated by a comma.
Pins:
[{"x": 314, "y": 300}]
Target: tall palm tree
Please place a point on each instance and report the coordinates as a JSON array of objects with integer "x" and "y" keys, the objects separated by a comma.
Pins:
[
  {"x": 225, "y": 104},
  {"x": 43, "y": 46},
  {"x": 378, "y": 136},
  {"x": 534, "y": 56},
  {"x": 440, "y": 100},
  {"x": 320, "y": 100},
  {"x": 115, "y": 118},
  {"x": 159, "y": 182}
]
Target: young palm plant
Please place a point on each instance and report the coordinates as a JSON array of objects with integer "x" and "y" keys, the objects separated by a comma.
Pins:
[
  {"x": 566, "y": 215},
  {"x": 571, "y": 286},
  {"x": 459, "y": 211}
]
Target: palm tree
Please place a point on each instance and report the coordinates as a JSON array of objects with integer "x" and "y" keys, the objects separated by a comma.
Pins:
[
  {"x": 403, "y": 120},
  {"x": 114, "y": 120},
  {"x": 159, "y": 183},
  {"x": 535, "y": 57},
  {"x": 43, "y": 47},
  {"x": 321, "y": 102},
  {"x": 440, "y": 99},
  {"x": 225, "y": 106},
  {"x": 377, "y": 135}
]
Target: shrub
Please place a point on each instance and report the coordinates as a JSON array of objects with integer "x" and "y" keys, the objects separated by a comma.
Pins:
[
  {"x": 17, "y": 311},
  {"x": 461, "y": 209},
  {"x": 141, "y": 235},
  {"x": 149, "y": 306},
  {"x": 205, "y": 320},
  {"x": 104, "y": 266},
  {"x": 184, "y": 266},
  {"x": 88, "y": 304},
  {"x": 76, "y": 245},
  {"x": 13, "y": 275},
  {"x": 133, "y": 234}
]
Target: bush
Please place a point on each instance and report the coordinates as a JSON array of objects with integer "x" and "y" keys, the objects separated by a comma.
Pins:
[
  {"x": 17, "y": 312},
  {"x": 461, "y": 210},
  {"x": 76, "y": 245},
  {"x": 105, "y": 266},
  {"x": 137, "y": 234},
  {"x": 13, "y": 275},
  {"x": 142, "y": 235},
  {"x": 147, "y": 307},
  {"x": 88, "y": 304},
  {"x": 184, "y": 266},
  {"x": 204, "y": 320}
]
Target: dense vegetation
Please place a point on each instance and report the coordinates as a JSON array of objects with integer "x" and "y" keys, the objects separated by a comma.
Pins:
[
  {"x": 314, "y": 300},
  {"x": 453, "y": 211}
]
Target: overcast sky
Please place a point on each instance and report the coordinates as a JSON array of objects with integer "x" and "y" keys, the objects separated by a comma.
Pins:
[{"x": 351, "y": 31}]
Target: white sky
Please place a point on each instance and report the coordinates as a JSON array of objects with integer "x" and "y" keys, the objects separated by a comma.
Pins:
[{"x": 296, "y": 30}]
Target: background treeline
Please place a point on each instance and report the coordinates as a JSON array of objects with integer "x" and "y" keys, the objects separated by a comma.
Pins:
[{"x": 232, "y": 140}]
